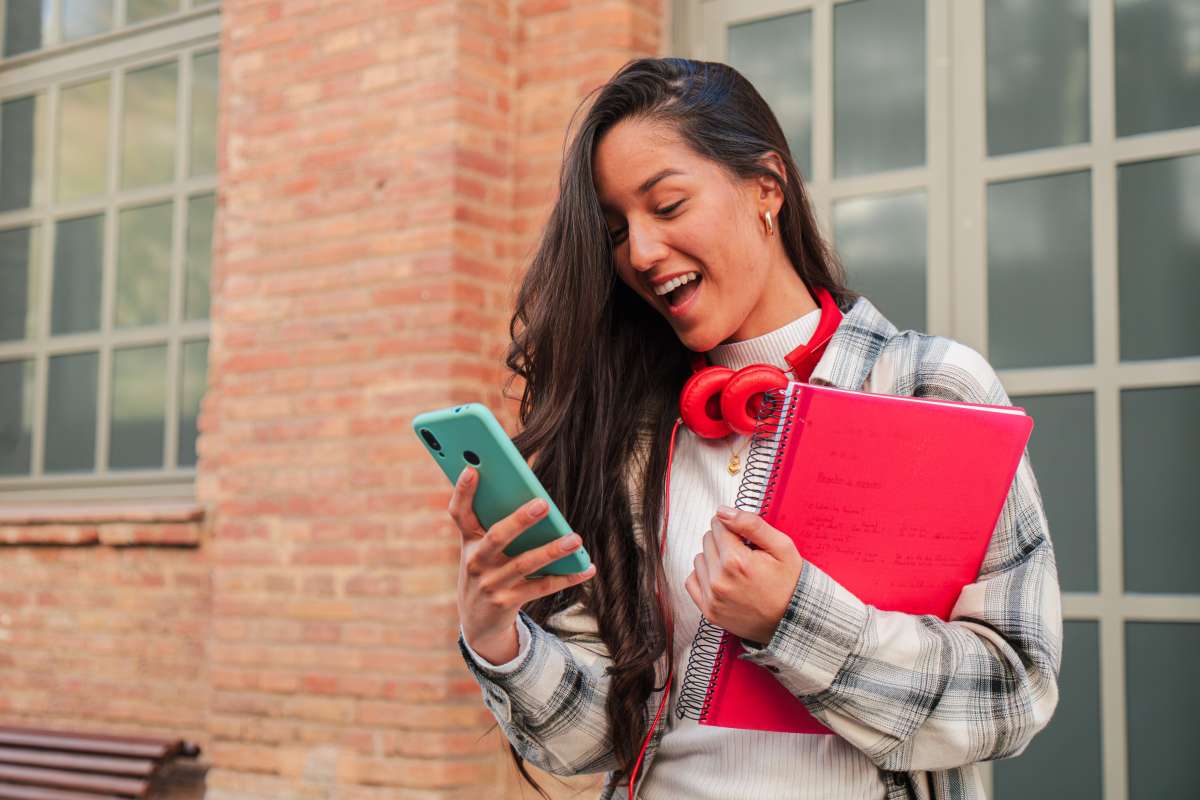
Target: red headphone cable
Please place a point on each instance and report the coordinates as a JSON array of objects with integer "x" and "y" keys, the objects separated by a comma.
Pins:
[{"x": 666, "y": 613}]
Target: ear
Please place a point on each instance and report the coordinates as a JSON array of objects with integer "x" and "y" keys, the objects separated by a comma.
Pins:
[{"x": 769, "y": 194}]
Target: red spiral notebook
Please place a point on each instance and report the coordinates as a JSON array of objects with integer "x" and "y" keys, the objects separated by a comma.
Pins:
[{"x": 896, "y": 498}]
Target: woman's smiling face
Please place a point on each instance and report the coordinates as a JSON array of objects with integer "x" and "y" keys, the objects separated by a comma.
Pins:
[{"x": 671, "y": 212}]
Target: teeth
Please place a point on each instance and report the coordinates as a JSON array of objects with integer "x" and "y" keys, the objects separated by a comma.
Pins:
[{"x": 671, "y": 285}]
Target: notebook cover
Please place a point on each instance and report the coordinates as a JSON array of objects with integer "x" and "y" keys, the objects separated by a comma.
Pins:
[{"x": 896, "y": 498}]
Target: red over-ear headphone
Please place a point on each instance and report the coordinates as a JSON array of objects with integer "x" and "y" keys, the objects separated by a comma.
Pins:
[
  {"x": 717, "y": 401},
  {"x": 714, "y": 401}
]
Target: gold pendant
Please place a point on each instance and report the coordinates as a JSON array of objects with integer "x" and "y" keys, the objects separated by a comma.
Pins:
[{"x": 734, "y": 464}]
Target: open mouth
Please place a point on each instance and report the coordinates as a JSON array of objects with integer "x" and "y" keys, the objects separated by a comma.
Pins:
[{"x": 680, "y": 295}]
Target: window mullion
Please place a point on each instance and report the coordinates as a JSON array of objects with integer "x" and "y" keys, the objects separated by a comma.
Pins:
[{"x": 109, "y": 282}]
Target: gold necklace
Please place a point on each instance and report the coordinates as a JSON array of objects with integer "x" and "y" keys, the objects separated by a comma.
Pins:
[{"x": 735, "y": 463}]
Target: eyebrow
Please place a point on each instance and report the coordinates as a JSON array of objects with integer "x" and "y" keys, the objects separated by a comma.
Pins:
[{"x": 649, "y": 183}]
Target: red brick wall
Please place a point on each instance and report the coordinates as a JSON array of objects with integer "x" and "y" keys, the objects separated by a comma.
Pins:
[
  {"x": 97, "y": 633},
  {"x": 385, "y": 169}
]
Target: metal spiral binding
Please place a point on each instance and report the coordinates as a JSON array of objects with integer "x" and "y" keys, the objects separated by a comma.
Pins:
[{"x": 772, "y": 430}]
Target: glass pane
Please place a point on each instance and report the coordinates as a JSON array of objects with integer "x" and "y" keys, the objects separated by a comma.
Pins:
[
  {"x": 1163, "y": 702},
  {"x": 83, "y": 141},
  {"x": 78, "y": 250},
  {"x": 16, "y": 416},
  {"x": 204, "y": 114},
  {"x": 86, "y": 18},
  {"x": 143, "y": 266},
  {"x": 776, "y": 56},
  {"x": 139, "y": 407},
  {"x": 139, "y": 10},
  {"x": 1063, "y": 760},
  {"x": 25, "y": 25},
  {"x": 881, "y": 241},
  {"x": 20, "y": 260},
  {"x": 22, "y": 153},
  {"x": 199, "y": 256},
  {"x": 71, "y": 413},
  {"x": 194, "y": 380},
  {"x": 1040, "y": 237},
  {"x": 148, "y": 136},
  {"x": 1037, "y": 74},
  {"x": 878, "y": 85},
  {"x": 1158, "y": 65},
  {"x": 1158, "y": 252},
  {"x": 1160, "y": 470},
  {"x": 1063, "y": 451}
]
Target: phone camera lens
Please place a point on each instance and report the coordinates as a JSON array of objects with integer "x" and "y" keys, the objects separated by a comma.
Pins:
[
  {"x": 432, "y": 441},
  {"x": 471, "y": 458}
]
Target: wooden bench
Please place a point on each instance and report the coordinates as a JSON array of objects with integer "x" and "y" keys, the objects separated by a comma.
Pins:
[{"x": 40, "y": 764}]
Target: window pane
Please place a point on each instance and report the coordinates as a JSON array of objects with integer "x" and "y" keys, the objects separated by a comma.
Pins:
[
  {"x": 22, "y": 152},
  {"x": 1158, "y": 65},
  {"x": 20, "y": 259},
  {"x": 1163, "y": 702},
  {"x": 1037, "y": 74},
  {"x": 16, "y": 416},
  {"x": 143, "y": 266},
  {"x": 139, "y": 403},
  {"x": 71, "y": 413},
  {"x": 881, "y": 241},
  {"x": 1158, "y": 235},
  {"x": 199, "y": 256},
  {"x": 25, "y": 25},
  {"x": 776, "y": 56},
  {"x": 1039, "y": 271},
  {"x": 83, "y": 141},
  {"x": 1160, "y": 470},
  {"x": 1063, "y": 760},
  {"x": 194, "y": 380},
  {"x": 140, "y": 10},
  {"x": 86, "y": 18},
  {"x": 78, "y": 250},
  {"x": 1063, "y": 451},
  {"x": 148, "y": 136},
  {"x": 204, "y": 114},
  {"x": 878, "y": 85}
]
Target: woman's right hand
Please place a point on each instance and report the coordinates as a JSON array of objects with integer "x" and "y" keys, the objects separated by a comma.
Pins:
[{"x": 492, "y": 587}]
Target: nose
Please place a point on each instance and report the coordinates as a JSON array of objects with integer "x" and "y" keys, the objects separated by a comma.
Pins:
[{"x": 646, "y": 247}]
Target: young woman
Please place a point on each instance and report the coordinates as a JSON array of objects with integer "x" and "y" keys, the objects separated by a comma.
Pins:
[{"x": 683, "y": 234}]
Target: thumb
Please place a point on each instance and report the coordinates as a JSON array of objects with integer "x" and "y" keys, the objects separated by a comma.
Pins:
[{"x": 752, "y": 528}]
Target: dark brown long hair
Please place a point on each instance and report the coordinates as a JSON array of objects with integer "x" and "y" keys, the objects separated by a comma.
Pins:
[{"x": 600, "y": 365}]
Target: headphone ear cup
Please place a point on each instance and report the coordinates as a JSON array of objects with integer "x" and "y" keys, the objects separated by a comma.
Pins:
[
  {"x": 700, "y": 405},
  {"x": 743, "y": 395}
]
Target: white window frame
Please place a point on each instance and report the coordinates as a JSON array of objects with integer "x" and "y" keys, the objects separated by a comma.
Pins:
[
  {"x": 174, "y": 38},
  {"x": 956, "y": 177}
]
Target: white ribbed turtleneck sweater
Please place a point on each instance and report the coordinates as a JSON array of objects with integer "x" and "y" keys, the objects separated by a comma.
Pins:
[{"x": 698, "y": 761}]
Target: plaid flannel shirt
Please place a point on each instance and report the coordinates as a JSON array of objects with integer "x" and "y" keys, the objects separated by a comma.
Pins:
[{"x": 924, "y": 699}]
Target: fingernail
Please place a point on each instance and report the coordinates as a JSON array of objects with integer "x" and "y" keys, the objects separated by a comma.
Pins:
[
  {"x": 537, "y": 508},
  {"x": 464, "y": 477},
  {"x": 569, "y": 542},
  {"x": 725, "y": 512}
]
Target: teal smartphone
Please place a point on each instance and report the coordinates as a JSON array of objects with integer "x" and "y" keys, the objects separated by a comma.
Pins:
[{"x": 471, "y": 434}]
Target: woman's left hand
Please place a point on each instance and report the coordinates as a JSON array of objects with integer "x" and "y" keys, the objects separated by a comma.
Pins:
[{"x": 745, "y": 590}]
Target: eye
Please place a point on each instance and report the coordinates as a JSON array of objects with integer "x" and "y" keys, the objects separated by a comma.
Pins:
[{"x": 617, "y": 236}]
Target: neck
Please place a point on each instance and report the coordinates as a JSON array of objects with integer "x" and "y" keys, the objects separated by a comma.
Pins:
[{"x": 784, "y": 299}]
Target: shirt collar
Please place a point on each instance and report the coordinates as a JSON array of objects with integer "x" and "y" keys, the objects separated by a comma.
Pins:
[
  {"x": 848, "y": 357},
  {"x": 769, "y": 348},
  {"x": 855, "y": 346}
]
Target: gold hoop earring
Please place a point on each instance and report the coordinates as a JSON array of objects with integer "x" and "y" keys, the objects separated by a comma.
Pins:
[{"x": 770, "y": 224}]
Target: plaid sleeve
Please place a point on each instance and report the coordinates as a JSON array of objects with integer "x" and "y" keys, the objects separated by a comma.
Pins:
[
  {"x": 551, "y": 702},
  {"x": 919, "y": 693}
]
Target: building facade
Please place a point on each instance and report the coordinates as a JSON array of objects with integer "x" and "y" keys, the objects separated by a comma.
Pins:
[{"x": 243, "y": 243}]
